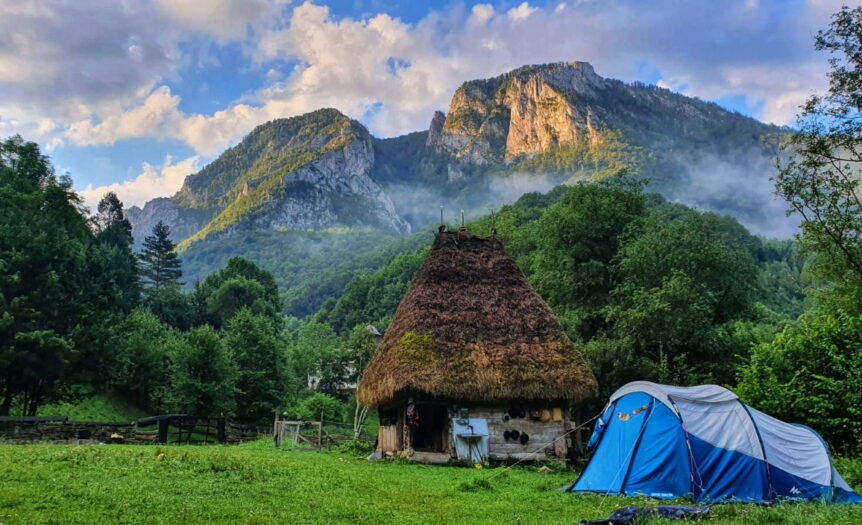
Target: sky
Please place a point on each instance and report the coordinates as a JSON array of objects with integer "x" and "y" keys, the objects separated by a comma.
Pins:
[{"x": 132, "y": 96}]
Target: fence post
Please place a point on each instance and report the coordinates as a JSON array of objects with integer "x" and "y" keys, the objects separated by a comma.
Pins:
[
  {"x": 163, "y": 431},
  {"x": 220, "y": 429}
]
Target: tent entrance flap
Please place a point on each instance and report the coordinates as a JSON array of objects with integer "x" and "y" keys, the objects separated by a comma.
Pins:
[{"x": 617, "y": 445}]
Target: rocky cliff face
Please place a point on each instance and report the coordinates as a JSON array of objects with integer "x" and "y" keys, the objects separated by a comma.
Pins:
[
  {"x": 535, "y": 109},
  {"x": 183, "y": 222},
  {"x": 528, "y": 111}
]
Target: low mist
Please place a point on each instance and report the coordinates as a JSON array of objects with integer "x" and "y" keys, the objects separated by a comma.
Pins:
[{"x": 742, "y": 189}]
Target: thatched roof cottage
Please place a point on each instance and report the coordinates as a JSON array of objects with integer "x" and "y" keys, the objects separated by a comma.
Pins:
[{"x": 474, "y": 363}]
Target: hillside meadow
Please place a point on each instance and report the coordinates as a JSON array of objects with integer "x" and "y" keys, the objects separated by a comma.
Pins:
[{"x": 258, "y": 484}]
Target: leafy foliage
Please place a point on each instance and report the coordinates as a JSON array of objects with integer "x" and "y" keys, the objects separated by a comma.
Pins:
[
  {"x": 140, "y": 369},
  {"x": 812, "y": 372},
  {"x": 203, "y": 375},
  {"x": 46, "y": 294},
  {"x": 312, "y": 349},
  {"x": 573, "y": 245},
  {"x": 319, "y": 407},
  {"x": 821, "y": 181},
  {"x": 172, "y": 307},
  {"x": 241, "y": 284},
  {"x": 94, "y": 407},
  {"x": 371, "y": 298},
  {"x": 263, "y": 377},
  {"x": 651, "y": 290},
  {"x": 310, "y": 268}
]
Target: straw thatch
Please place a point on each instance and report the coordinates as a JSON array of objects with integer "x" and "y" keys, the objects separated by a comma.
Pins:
[{"x": 470, "y": 328}]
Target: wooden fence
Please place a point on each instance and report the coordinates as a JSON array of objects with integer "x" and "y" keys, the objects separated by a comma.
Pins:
[
  {"x": 292, "y": 430},
  {"x": 165, "y": 429},
  {"x": 316, "y": 434}
]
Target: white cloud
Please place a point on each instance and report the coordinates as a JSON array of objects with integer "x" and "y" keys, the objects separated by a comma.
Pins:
[
  {"x": 156, "y": 117},
  {"x": 152, "y": 182},
  {"x": 223, "y": 19},
  {"x": 211, "y": 135},
  {"x": 521, "y": 12},
  {"x": 79, "y": 62},
  {"x": 481, "y": 13},
  {"x": 718, "y": 50}
]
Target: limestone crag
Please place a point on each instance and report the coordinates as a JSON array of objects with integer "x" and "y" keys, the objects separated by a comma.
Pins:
[
  {"x": 530, "y": 110},
  {"x": 183, "y": 222}
]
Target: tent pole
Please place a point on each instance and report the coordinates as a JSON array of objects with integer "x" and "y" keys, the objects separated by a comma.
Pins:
[
  {"x": 691, "y": 465},
  {"x": 770, "y": 491}
]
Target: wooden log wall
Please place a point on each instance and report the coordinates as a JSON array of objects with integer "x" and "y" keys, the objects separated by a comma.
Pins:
[{"x": 540, "y": 433}]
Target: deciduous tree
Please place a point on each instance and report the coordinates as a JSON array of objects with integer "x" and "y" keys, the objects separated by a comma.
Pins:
[{"x": 821, "y": 179}]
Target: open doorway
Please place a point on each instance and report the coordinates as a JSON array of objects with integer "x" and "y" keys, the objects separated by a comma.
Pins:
[{"x": 430, "y": 433}]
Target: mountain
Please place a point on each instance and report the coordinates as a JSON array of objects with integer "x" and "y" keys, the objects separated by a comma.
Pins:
[
  {"x": 548, "y": 124},
  {"x": 536, "y": 109},
  {"x": 313, "y": 179},
  {"x": 309, "y": 172}
]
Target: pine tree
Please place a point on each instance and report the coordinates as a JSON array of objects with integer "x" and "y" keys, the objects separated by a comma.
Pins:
[
  {"x": 160, "y": 266},
  {"x": 112, "y": 226},
  {"x": 112, "y": 259}
]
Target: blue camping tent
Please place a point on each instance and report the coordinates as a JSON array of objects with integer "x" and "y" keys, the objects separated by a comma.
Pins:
[{"x": 702, "y": 442}]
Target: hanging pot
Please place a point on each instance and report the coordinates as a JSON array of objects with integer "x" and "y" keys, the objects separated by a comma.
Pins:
[{"x": 524, "y": 438}]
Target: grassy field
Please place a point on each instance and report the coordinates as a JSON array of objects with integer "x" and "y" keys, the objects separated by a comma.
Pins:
[
  {"x": 96, "y": 407},
  {"x": 255, "y": 483}
]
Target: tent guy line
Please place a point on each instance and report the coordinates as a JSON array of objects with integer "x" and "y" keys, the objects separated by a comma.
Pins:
[{"x": 543, "y": 446}]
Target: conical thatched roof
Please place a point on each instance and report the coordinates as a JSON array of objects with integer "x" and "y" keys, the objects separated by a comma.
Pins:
[{"x": 471, "y": 328}]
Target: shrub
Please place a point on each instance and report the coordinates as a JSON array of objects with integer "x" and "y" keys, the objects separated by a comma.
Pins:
[
  {"x": 812, "y": 373},
  {"x": 357, "y": 448},
  {"x": 319, "y": 406}
]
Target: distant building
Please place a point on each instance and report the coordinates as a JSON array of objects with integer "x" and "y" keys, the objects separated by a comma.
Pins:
[
  {"x": 348, "y": 385},
  {"x": 474, "y": 363}
]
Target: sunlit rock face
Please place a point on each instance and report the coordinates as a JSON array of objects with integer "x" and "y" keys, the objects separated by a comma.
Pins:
[{"x": 530, "y": 110}]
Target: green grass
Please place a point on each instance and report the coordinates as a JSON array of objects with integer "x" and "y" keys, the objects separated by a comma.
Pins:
[
  {"x": 98, "y": 407},
  {"x": 255, "y": 484}
]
